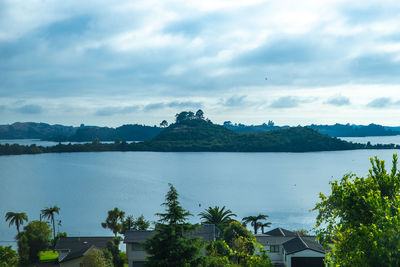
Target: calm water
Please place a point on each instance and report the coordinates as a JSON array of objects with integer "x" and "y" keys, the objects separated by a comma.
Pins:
[
  {"x": 85, "y": 185},
  {"x": 374, "y": 139}
]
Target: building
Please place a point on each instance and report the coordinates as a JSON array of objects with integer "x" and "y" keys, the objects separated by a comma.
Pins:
[
  {"x": 286, "y": 248},
  {"x": 137, "y": 255},
  {"x": 71, "y": 250}
]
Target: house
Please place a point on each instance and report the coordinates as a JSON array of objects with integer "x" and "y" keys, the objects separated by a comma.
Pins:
[
  {"x": 286, "y": 248},
  {"x": 134, "y": 239},
  {"x": 71, "y": 250}
]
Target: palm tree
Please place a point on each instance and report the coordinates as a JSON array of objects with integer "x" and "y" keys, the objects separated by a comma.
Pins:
[
  {"x": 114, "y": 221},
  {"x": 217, "y": 216},
  {"x": 48, "y": 213},
  {"x": 262, "y": 225},
  {"x": 253, "y": 220},
  {"x": 16, "y": 218}
]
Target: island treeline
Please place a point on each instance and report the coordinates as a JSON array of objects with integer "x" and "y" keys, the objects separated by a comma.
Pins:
[
  {"x": 137, "y": 132},
  {"x": 192, "y": 132}
]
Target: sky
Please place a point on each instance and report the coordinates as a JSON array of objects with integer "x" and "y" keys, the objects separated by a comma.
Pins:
[{"x": 110, "y": 63}]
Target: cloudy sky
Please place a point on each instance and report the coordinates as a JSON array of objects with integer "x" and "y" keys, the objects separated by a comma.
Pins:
[{"x": 250, "y": 61}]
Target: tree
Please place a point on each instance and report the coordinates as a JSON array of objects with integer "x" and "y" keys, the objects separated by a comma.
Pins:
[
  {"x": 164, "y": 124},
  {"x": 35, "y": 237},
  {"x": 48, "y": 213},
  {"x": 263, "y": 225},
  {"x": 94, "y": 258},
  {"x": 8, "y": 257},
  {"x": 113, "y": 247},
  {"x": 253, "y": 220},
  {"x": 114, "y": 221},
  {"x": 16, "y": 218},
  {"x": 200, "y": 115},
  {"x": 217, "y": 216},
  {"x": 361, "y": 218},
  {"x": 170, "y": 244},
  {"x": 139, "y": 224},
  {"x": 59, "y": 236},
  {"x": 184, "y": 115}
]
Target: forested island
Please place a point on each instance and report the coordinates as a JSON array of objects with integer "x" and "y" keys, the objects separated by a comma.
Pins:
[
  {"x": 137, "y": 132},
  {"x": 192, "y": 132}
]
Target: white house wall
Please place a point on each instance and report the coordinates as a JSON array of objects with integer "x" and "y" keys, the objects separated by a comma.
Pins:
[{"x": 72, "y": 263}]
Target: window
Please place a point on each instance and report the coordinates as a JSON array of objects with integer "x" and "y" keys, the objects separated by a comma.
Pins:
[
  {"x": 137, "y": 247},
  {"x": 274, "y": 248}
]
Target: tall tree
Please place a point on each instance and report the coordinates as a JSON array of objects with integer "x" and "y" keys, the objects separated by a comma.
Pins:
[
  {"x": 8, "y": 257},
  {"x": 114, "y": 221},
  {"x": 16, "y": 218},
  {"x": 49, "y": 213},
  {"x": 253, "y": 220},
  {"x": 217, "y": 216},
  {"x": 200, "y": 115},
  {"x": 139, "y": 224},
  {"x": 361, "y": 218},
  {"x": 170, "y": 244},
  {"x": 35, "y": 237}
]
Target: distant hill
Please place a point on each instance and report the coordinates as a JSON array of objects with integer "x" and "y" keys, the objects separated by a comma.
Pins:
[
  {"x": 60, "y": 133},
  {"x": 202, "y": 135},
  {"x": 33, "y": 130},
  {"x": 336, "y": 130}
]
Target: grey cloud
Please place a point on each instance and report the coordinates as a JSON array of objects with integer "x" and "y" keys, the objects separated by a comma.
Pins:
[
  {"x": 374, "y": 66},
  {"x": 29, "y": 109},
  {"x": 173, "y": 104},
  {"x": 382, "y": 102},
  {"x": 110, "y": 111},
  {"x": 234, "y": 101},
  {"x": 279, "y": 52},
  {"x": 338, "y": 101},
  {"x": 290, "y": 102}
]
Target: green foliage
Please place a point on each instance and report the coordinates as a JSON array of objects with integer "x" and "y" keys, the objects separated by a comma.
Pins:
[
  {"x": 115, "y": 221},
  {"x": 49, "y": 213},
  {"x": 35, "y": 238},
  {"x": 113, "y": 247},
  {"x": 16, "y": 218},
  {"x": 94, "y": 258},
  {"x": 8, "y": 257},
  {"x": 254, "y": 221},
  {"x": 170, "y": 244},
  {"x": 234, "y": 230},
  {"x": 217, "y": 216},
  {"x": 361, "y": 217},
  {"x": 238, "y": 250},
  {"x": 139, "y": 224}
]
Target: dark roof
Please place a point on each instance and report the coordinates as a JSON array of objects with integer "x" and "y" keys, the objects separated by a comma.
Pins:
[
  {"x": 272, "y": 240},
  {"x": 207, "y": 232},
  {"x": 300, "y": 243},
  {"x": 77, "y": 246},
  {"x": 280, "y": 232}
]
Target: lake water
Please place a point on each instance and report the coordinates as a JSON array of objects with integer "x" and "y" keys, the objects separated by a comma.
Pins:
[
  {"x": 374, "y": 139},
  {"x": 85, "y": 185}
]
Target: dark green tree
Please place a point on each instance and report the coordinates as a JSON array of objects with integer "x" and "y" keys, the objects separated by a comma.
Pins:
[
  {"x": 164, "y": 124},
  {"x": 35, "y": 237},
  {"x": 170, "y": 244},
  {"x": 16, "y": 218},
  {"x": 199, "y": 115},
  {"x": 254, "y": 221},
  {"x": 49, "y": 213},
  {"x": 263, "y": 225},
  {"x": 217, "y": 216},
  {"x": 114, "y": 221},
  {"x": 8, "y": 257},
  {"x": 139, "y": 224},
  {"x": 113, "y": 247},
  {"x": 361, "y": 217}
]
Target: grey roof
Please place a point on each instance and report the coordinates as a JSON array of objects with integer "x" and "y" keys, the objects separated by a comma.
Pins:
[
  {"x": 207, "y": 232},
  {"x": 272, "y": 240},
  {"x": 300, "y": 243},
  {"x": 77, "y": 246},
  {"x": 280, "y": 232}
]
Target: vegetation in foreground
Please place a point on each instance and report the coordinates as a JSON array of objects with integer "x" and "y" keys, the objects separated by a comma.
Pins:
[{"x": 362, "y": 218}]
